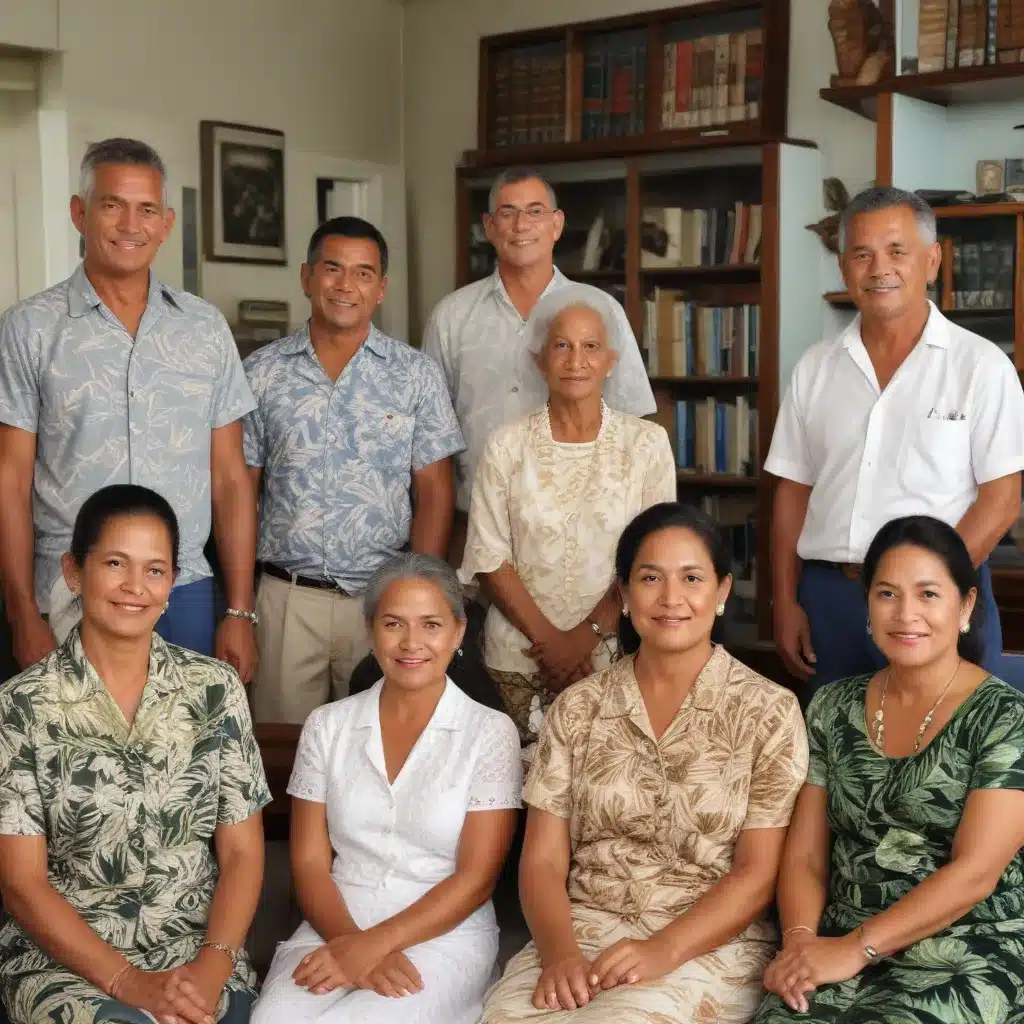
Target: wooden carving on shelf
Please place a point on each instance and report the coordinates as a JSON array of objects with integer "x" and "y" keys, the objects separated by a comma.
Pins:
[
  {"x": 827, "y": 229},
  {"x": 863, "y": 41}
]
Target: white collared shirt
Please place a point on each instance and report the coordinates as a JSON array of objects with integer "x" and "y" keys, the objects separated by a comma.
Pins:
[
  {"x": 951, "y": 418},
  {"x": 480, "y": 340},
  {"x": 402, "y": 837}
]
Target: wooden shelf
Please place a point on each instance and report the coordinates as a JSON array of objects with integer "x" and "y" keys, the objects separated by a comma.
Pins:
[
  {"x": 986, "y": 84},
  {"x": 720, "y": 480},
  {"x": 718, "y": 380},
  {"x": 720, "y": 272},
  {"x": 841, "y": 300},
  {"x": 971, "y": 211}
]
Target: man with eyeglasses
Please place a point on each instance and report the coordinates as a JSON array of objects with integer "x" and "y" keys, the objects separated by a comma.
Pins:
[{"x": 478, "y": 333}]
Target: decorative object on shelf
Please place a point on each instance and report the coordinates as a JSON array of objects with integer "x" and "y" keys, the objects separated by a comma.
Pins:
[
  {"x": 827, "y": 229},
  {"x": 989, "y": 177},
  {"x": 863, "y": 40},
  {"x": 945, "y": 197},
  {"x": 243, "y": 193}
]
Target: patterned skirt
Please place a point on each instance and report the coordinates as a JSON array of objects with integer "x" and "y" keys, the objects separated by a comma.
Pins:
[{"x": 524, "y": 699}]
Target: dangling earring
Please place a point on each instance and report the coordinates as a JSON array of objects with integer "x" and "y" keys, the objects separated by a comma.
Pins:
[
  {"x": 869, "y": 630},
  {"x": 720, "y": 610},
  {"x": 625, "y": 611},
  {"x": 458, "y": 653}
]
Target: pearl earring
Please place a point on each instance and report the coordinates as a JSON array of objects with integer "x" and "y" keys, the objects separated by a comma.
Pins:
[
  {"x": 965, "y": 628},
  {"x": 720, "y": 610},
  {"x": 625, "y": 610},
  {"x": 869, "y": 630}
]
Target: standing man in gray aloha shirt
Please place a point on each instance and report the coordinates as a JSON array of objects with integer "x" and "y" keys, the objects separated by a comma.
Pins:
[
  {"x": 112, "y": 377},
  {"x": 351, "y": 441}
]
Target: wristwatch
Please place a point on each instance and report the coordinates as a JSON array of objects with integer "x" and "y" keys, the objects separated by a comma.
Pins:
[{"x": 237, "y": 613}]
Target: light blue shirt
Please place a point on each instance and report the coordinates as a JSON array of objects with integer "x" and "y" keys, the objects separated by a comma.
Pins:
[
  {"x": 337, "y": 457},
  {"x": 110, "y": 409}
]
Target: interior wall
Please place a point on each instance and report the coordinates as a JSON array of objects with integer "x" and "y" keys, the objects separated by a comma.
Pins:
[
  {"x": 441, "y": 52},
  {"x": 328, "y": 73}
]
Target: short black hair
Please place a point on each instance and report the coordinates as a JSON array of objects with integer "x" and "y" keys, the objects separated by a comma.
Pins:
[
  {"x": 948, "y": 546},
  {"x": 348, "y": 227},
  {"x": 112, "y": 502},
  {"x": 665, "y": 516}
]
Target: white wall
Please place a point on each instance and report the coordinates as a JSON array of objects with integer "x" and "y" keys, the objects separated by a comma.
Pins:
[
  {"x": 328, "y": 73},
  {"x": 441, "y": 49}
]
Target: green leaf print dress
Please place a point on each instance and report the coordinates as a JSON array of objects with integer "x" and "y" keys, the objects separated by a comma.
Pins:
[{"x": 892, "y": 822}]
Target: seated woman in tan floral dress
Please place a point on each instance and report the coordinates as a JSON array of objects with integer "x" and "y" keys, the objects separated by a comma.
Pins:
[
  {"x": 131, "y": 848},
  {"x": 658, "y": 805},
  {"x": 551, "y": 496}
]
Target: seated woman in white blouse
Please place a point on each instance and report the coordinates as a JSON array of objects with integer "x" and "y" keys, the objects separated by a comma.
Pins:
[
  {"x": 552, "y": 495},
  {"x": 403, "y": 809}
]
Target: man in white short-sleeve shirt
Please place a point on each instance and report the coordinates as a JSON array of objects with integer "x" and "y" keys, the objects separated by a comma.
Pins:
[
  {"x": 904, "y": 413},
  {"x": 478, "y": 333}
]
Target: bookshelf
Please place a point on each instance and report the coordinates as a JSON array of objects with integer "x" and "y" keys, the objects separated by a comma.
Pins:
[
  {"x": 664, "y": 214},
  {"x": 959, "y": 98}
]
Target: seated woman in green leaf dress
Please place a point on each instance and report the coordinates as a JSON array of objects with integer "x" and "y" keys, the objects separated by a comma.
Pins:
[
  {"x": 916, "y": 916},
  {"x": 131, "y": 848}
]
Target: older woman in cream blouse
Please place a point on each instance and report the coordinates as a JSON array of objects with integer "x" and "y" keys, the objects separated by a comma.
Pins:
[{"x": 551, "y": 497}]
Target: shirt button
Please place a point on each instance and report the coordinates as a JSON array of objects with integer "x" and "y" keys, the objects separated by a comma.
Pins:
[
  {"x": 332, "y": 438},
  {"x": 387, "y": 831},
  {"x": 131, "y": 394},
  {"x": 514, "y": 390}
]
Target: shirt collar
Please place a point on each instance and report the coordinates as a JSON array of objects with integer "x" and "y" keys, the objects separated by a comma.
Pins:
[
  {"x": 622, "y": 697},
  {"x": 82, "y": 295},
  {"x": 937, "y": 332},
  {"x": 301, "y": 341},
  {"x": 450, "y": 713},
  {"x": 558, "y": 280}
]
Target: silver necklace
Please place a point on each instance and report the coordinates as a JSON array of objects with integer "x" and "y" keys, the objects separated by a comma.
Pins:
[{"x": 878, "y": 722}]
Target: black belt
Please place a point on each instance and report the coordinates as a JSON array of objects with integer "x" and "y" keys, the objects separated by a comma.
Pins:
[
  {"x": 851, "y": 570},
  {"x": 315, "y": 582}
]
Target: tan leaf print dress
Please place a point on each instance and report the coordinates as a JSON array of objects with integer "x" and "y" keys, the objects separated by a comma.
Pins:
[{"x": 653, "y": 824}]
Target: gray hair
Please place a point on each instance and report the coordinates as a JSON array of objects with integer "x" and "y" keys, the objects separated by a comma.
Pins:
[
  {"x": 884, "y": 197},
  {"x": 409, "y": 565},
  {"x": 117, "y": 151},
  {"x": 551, "y": 306},
  {"x": 513, "y": 176}
]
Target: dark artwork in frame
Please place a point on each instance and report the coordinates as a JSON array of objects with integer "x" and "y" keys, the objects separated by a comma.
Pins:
[{"x": 243, "y": 187}]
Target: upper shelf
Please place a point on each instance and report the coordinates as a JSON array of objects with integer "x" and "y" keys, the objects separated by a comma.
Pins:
[{"x": 989, "y": 83}]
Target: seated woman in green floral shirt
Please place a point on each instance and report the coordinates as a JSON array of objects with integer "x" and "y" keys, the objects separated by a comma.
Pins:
[
  {"x": 121, "y": 758},
  {"x": 902, "y": 885}
]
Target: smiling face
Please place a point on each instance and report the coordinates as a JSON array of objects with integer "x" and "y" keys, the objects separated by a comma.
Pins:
[
  {"x": 577, "y": 358},
  {"x": 415, "y": 634},
  {"x": 123, "y": 220},
  {"x": 523, "y": 227},
  {"x": 673, "y": 591},
  {"x": 914, "y": 607},
  {"x": 886, "y": 264},
  {"x": 126, "y": 578},
  {"x": 345, "y": 284}
]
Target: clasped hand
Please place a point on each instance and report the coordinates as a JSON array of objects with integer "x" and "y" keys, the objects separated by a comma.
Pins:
[
  {"x": 574, "y": 980},
  {"x": 357, "y": 961},
  {"x": 563, "y": 657},
  {"x": 808, "y": 961},
  {"x": 185, "y": 995}
]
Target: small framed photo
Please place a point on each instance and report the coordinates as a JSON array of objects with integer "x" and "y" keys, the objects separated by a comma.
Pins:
[
  {"x": 243, "y": 193},
  {"x": 989, "y": 177}
]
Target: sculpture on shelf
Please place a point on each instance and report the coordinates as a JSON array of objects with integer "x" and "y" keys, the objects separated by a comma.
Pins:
[
  {"x": 827, "y": 229},
  {"x": 863, "y": 41}
]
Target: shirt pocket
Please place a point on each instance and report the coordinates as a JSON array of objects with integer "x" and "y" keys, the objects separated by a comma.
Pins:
[
  {"x": 936, "y": 457},
  {"x": 385, "y": 442}
]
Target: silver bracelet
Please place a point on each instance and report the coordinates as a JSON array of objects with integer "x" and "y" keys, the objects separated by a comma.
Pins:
[{"x": 237, "y": 613}]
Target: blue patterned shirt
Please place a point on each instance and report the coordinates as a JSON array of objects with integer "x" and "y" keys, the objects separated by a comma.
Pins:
[
  {"x": 337, "y": 457},
  {"x": 110, "y": 409}
]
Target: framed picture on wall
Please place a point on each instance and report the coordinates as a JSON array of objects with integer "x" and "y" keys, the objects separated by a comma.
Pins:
[{"x": 243, "y": 193}]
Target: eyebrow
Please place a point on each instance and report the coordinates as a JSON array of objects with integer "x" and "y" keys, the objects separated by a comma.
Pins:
[
  {"x": 659, "y": 568},
  {"x": 917, "y": 583},
  {"x": 126, "y": 556}
]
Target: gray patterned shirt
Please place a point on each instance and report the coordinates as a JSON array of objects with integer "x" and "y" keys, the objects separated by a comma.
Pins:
[
  {"x": 108, "y": 409},
  {"x": 337, "y": 457}
]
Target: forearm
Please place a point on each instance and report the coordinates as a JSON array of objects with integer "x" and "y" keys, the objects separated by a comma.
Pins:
[
  {"x": 431, "y": 527},
  {"x": 801, "y": 894},
  {"x": 236, "y": 897},
  {"x": 932, "y": 905},
  {"x": 719, "y": 915},
  {"x": 321, "y": 903},
  {"x": 516, "y": 603},
  {"x": 437, "y": 911},
  {"x": 548, "y": 912},
  {"x": 234, "y": 529},
  {"x": 17, "y": 553},
  {"x": 983, "y": 527},
  {"x": 56, "y": 927},
  {"x": 788, "y": 514}
]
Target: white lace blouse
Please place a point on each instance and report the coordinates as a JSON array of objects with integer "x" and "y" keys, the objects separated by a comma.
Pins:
[{"x": 404, "y": 835}]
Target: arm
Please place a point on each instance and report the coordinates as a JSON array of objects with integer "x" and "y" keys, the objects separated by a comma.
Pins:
[
  {"x": 234, "y": 529},
  {"x": 33, "y": 639},
  {"x": 994, "y": 511},
  {"x": 433, "y": 506},
  {"x": 792, "y": 630},
  {"x": 803, "y": 879},
  {"x": 543, "y": 870}
]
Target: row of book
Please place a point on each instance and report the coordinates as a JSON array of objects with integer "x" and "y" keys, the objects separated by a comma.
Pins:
[
  {"x": 712, "y": 80},
  {"x": 528, "y": 98},
  {"x": 969, "y": 33},
  {"x": 736, "y": 515},
  {"x": 983, "y": 274},
  {"x": 675, "y": 237},
  {"x": 714, "y": 436},
  {"x": 614, "y": 86},
  {"x": 684, "y": 338}
]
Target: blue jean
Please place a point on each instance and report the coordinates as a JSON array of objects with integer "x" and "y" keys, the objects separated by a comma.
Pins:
[
  {"x": 837, "y": 611},
  {"x": 113, "y": 1012},
  {"x": 191, "y": 619}
]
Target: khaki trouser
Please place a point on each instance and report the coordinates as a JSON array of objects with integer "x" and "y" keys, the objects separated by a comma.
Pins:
[{"x": 309, "y": 641}]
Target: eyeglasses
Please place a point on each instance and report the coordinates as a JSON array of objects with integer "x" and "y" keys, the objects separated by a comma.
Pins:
[{"x": 534, "y": 213}]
